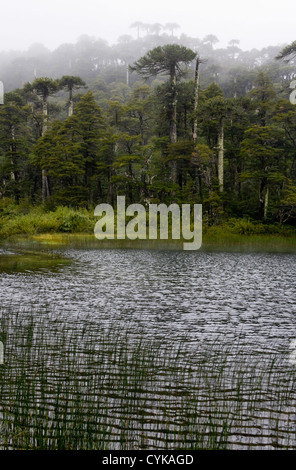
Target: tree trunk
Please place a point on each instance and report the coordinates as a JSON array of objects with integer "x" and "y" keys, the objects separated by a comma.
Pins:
[
  {"x": 196, "y": 89},
  {"x": 45, "y": 185},
  {"x": 127, "y": 75},
  {"x": 173, "y": 120},
  {"x": 12, "y": 150},
  {"x": 44, "y": 107},
  {"x": 266, "y": 202},
  {"x": 71, "y": 106},
  {"x": 221, "y": 156},
  {"x": 262, "y": 198}
]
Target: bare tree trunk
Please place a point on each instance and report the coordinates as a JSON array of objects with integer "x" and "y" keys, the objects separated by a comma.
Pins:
[
  {"x": 262, "y": 198},
  {"x": 221, "y": 156},
  {"x": 266, "y": 197},
  {"x": 71, "y": 106},
  {"x": 127, "y": 75},
  {"x": 45, "y": 112}
]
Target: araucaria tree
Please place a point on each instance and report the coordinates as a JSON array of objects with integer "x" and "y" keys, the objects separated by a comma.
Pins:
[
  {"x": 166, "y": 60},
  {"x": 170, "y": 60},
  {"x": 71, "y": 83}
]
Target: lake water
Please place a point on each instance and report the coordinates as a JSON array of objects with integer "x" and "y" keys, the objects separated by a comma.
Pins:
[
  {"x": 215, "y": 300},
  {"x": 240, "y": 297}
]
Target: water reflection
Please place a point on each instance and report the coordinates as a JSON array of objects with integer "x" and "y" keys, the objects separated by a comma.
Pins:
[
  {"x": 218, "y": 301},
  {"x": 238, "y": 296},
  {"x": 13, "y": 262}
]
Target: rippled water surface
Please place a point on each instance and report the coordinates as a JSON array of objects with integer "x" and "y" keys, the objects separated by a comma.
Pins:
[
  {"x": 248, "y": 297},
  {"x": 217, "y": 301}
]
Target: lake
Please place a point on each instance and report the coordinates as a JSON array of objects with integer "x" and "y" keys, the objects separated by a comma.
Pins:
[
  {"x": 245, "y": 297},
  {"x": 227, "y": 300}
]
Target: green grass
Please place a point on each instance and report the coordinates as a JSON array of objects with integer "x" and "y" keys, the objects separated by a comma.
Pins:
[
  {"x": 242, "y": 234},
  {"x": 37, "y": 220},
  {"x": 81, "y": 386},
  {"x": 58, "y": 226}
]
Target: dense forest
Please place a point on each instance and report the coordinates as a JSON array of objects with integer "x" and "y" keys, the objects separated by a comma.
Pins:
[{"x": 160, "y": 118}]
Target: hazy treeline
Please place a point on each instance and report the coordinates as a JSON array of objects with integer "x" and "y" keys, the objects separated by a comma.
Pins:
[
  {"x": 91, "y": 58},
  {"x": 82, "y": 128}
]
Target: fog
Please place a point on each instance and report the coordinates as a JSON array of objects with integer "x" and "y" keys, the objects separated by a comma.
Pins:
[{"x": 256, "y": 24}]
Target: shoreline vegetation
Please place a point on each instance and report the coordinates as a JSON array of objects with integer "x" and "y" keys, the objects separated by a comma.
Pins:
[{"x": 66, "y": 225}]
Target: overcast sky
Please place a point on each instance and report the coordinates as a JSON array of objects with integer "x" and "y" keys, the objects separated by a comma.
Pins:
[{"x": 256, "y": 23}]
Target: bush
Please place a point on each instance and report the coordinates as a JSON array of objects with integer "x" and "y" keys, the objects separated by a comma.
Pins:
[
  {"x": 248, "y": 227},
  {"x": 71, "y": 220},
  {"x": 63, "y": 219}
]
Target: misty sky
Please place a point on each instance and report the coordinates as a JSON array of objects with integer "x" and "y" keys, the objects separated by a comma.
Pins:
[{"x": 256, "y": 23}]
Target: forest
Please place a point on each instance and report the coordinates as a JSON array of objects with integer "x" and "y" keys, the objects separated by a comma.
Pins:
[{"x": 159, "y": 118}]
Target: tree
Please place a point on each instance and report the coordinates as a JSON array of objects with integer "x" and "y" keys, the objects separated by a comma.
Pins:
[
  {"x": 288, "y": 52},
  {"x": 210, "y": 39},
  {"x": 91, "y": 124},
  {"x": 138, "y": 25},
  {"x": 202, "y": 160},
  {"x": 233, "y": 48},
  {"x": 70, "y": 152},
  {"x": 171, "y": 27},
  {"x": 44, "y": 87},
  {"x": 14, "y": 144},
  {"x": 155, "y": 28},
  {"x": 196, "y": 90},
  {"x": 263, "y": 95},
  {"x": 71, "y": 83},
  {"x": 166, "y": 60},
  {"x": 214, "y": 111},
  {"x": 59, "y": 151},
  {"x": 263, "y": 149}
]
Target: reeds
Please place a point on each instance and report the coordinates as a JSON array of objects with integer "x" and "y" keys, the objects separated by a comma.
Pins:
[{"x": 67, "y": 385}]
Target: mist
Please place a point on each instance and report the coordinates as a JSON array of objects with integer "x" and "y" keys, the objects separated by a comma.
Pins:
[{"x": 256, "y": 25}]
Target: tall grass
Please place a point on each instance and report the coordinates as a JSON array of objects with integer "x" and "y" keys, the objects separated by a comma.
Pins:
[
  {"x": 79, "y": 386},
  {"x": 24, "y": 219},
  {"x": 37, "y": 220},
  {"x": 247, "y": 234}
]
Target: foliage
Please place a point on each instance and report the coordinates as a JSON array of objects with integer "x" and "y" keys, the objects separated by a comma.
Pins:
[{"x": 126, "y": 137}]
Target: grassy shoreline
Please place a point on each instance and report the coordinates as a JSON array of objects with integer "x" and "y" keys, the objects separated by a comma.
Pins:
[
  {"x": 210, "y": 242},
  {"x": 66, "y": 226}
]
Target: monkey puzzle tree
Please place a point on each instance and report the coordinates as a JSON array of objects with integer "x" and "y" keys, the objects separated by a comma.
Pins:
[
  {"x": 288, "y": 52},
  {"x": 171, "y": 27},
  {"x": 44, "y": 87},
  {"x": 138, "y": 25},
  {"x": 167, "y": 60},
  {"x": 71, "y": 83}
]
